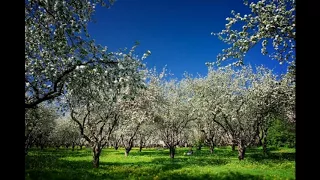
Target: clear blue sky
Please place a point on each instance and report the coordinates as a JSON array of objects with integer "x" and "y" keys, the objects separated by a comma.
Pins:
[{"x": 177, "y": 32}]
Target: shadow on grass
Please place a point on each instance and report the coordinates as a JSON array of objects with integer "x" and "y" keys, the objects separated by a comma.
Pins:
[
  {"x": 52, "y": 166},
  {"x": 219, "y": 176},
  {"x": 160, "y": 168},
  {"x": 275, "y": 156}
]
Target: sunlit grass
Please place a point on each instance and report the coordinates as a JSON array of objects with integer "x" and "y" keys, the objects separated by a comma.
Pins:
[{"x": 156, "y": 164}]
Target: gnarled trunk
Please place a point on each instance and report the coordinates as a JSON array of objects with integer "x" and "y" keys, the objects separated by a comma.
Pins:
[
  {"x": 172, "y": 151},
  {"x": 96, "y": 156}
]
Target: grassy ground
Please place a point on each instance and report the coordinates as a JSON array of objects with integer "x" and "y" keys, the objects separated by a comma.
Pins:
[{"x": 156, "y": 164}]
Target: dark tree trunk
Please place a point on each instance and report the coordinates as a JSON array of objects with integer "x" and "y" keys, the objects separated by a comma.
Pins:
[
  {"x": 116, "y": 147},
  {"x": 172, "y": 151},
  {"x": 199, "y": 147},
  {"x": 57, "y": 147},
  {"x": 96, "y": 156},
  {"x": 140, "y": 145},
  {"x": 264, "y": 146},
  {"x": 260, "y": 142},
  {"x": 264, "y": 143},
  {"x": 67, "y": 146},
  {"x": 234, "y": 146},
  {"x": 241, "y": 150},
  {"x": 41, "y": 147},
  {"x": 73, "y": 146},
  {"x": 127, "y": 150},
  {"x": 211, "y": 147},
  {"x": 80, "y": 146}
]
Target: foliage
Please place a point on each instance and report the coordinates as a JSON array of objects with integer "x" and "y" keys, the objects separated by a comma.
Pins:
[
  {"x": 39, "y": 123},
  {"x": 282, "y": 134},
  {"x": 56, "y": 43},
  {"x": 66, "y": 132},
  {"x": 270, "y": 20}
]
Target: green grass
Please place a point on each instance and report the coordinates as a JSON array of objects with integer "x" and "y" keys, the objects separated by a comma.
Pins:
[{"x": 156, "y": 164}]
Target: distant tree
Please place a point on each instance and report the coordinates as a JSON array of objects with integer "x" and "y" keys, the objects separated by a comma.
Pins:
[
  {"x": 134, "y": 113},
  {"x": 270, "y": 21},
  {"x": 145, "y": 134},
  {"x": 66, "y": 133},
  {"x": 173, "y": 112},
  {"x": 207, "y": 97},
  {"x": 39, "y": 122}
]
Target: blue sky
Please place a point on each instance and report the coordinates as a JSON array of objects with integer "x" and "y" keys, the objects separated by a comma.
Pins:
[{"x": 177, "y": 32}]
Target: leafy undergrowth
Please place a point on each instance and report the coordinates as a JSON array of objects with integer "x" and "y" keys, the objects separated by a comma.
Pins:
[{"x": 156, "y": 164}]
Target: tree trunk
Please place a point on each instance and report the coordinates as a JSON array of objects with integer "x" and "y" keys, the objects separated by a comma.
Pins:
[
  {"x": 260, "y": 142},
  {"x": 199, "y": 147},
  {"x": 96, "y": 156},
  {"x": 241, "y": 150},
  {"x": 41, "y": 147},
  {"x": 264, "y": 143},
  {"x": 73, "y": 146},
  {"x": 234, "y": 146},
  {"x": 127, "y": 150},
  {"x": 172, "y": 151},
  {"x": 80, "y": 146},
  {"x": 140, "y": 145},
  {"x": 116, "y": 147},
  {"x": 211, "y": 148},
  {"x": 264, "y": 146}
]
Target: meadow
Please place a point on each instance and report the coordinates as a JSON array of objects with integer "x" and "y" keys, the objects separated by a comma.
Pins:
[{"x": 154, "y": 164}]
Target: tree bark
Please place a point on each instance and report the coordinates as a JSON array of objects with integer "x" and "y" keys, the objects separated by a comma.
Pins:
[
  {"x": 140, "y": 145},
  {"x": 127, "y": 150},
  {"x": 172, "y": 151},
  {"x": 96, "y": 156},
  {"x": 73, "y": 146},
  {"x": 199, "y": 147},
  {"x": 211, "y": 148},
  {"x": 234, "y": 144},
  {"x": 264, "y": 146},
  {"x": 241, "y": 150}
]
